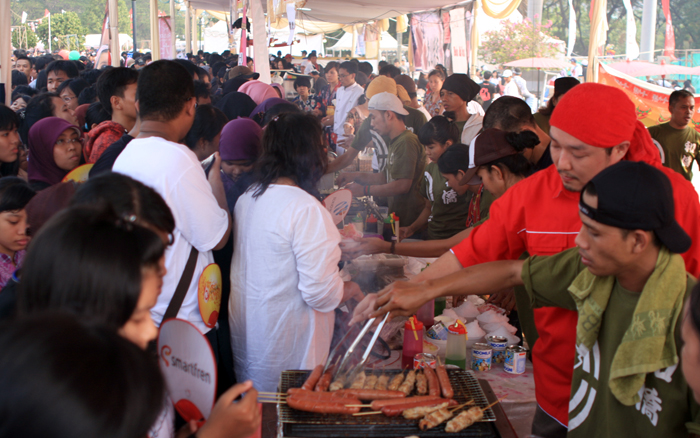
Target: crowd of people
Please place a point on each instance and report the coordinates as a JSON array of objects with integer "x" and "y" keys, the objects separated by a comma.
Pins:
[{"x": 573, "y": 217}]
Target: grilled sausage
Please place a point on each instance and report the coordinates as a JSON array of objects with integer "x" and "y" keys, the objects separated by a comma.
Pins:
[
  {"x": 433, "y": 385},
  {"x": 313, "y": 378},
  {"x": 395, "y": 410},
  {"x": 318, "y": 395},
  {"x": 325, "y": 380},
  {"x": 444, "y": 380},
  {"x": 320, "y": 406},
  {"x": 377, "y": 405},
  {"x": 372, "y": 394}
]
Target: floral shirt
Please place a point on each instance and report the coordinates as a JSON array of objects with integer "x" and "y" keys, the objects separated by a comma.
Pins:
[
  {"x": 326, "y": 96},
  {"x": 308, "y": 105},
  {"x": 9, "y": 265},
  {"x": 435, "y": 109}
]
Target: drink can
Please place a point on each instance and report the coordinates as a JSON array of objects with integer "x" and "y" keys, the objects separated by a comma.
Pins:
[
  {"x": 481, "y": 357},
  {"x": 423, "y": 360},
  {"x": 438, "y": 332},
  {"x": 499, "y": 344},
  {"x": 515, "y": 359}
]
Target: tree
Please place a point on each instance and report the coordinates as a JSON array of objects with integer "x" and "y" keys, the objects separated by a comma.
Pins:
[
  {"x": 517, "y": 41},
  {"x": 24, "y": 38},
  {"x": 66, "y": 31},
  {"x": 94, "y": 16}
]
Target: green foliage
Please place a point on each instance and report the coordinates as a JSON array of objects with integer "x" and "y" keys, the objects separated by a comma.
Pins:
[
  {"x": 93, "y": 17},
  {"x": 62, "y": 27},
  {"x": 517, "y": 41},
  {"x": 24, "y": 38}
]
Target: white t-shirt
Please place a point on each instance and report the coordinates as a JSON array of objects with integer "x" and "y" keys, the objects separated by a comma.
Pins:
[
  {"x": 285, "y": 284},
  {"x": 173, "y": 171},
  {"x": 346, "y": 99}
]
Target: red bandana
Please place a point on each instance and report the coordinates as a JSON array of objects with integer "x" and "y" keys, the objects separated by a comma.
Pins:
[{"x": 603, "y": 116}]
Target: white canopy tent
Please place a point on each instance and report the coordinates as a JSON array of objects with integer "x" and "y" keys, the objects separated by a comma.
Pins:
[
  {"x": 345, "y": 11},
  {"x": 387, "y": 42}
]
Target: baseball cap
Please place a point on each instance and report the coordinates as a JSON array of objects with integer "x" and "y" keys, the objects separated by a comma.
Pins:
[
  {"x": 507, "y": 73},
  {"x": 387, "y": 102},
  {"x": 242, "y": 71},
  {"x": 636, "y": 196},
  {"x": 517, "y": 71},
  {"x": 486, "y": 147}
]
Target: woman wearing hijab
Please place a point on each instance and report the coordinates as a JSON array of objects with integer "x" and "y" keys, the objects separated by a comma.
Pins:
[
  {"x": 457, "y": 92},
  {"x": 236, "y": 105},
  {"x": 258, "y": 91},
  {"x": 263, "y": 113},
  {"x": 54, "y": 150},
  {"x": 239, "y": 147}
]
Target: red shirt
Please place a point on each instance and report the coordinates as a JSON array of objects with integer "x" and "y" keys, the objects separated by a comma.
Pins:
[{"x": 539, "y": 216}]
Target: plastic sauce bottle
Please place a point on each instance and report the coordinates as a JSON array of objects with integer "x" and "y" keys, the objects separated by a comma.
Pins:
[
  {"x": 456, "y": 353},
  {"x": 412, "y": 342},
  {"x": 387, "y": 231},
  {"x": 371, "y": 224},
  {"x": 426, "y": 314}
]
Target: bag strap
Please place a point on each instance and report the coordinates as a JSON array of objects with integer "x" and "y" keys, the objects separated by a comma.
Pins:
[{"x": 182, "y": 286}]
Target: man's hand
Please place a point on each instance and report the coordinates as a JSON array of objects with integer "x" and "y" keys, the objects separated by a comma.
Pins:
[
  {"x": 401, "y": 298},
  {"x": 357, "y": 190},
  {"x": 504, "y": 299},
  {"x": 405, "y": 232},
  {"x": 327, "y": 121},
  {"x": 370, "y": 245},
  {"x": 344, "y": 178},
  {"x": 230, "y": 419},
  {"x": 363, "y": 309}
]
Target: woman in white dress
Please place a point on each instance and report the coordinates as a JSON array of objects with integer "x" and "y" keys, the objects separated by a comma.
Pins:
[{"x": 285, "y": 282}]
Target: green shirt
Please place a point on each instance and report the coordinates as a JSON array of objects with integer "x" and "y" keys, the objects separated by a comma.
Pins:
[
  {"x": 680, "y": 147},
  {"x": 542, "y": 121},
  {"x": 414, "y": 121},
  {"x": 449, "y": 210},
  {"x": 406, "y": 161},
  {"x": 667, "y": 409}
]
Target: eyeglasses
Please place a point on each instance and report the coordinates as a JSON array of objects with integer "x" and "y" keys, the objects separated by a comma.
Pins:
[
  {"x": 61, "y": 142},
  {"x": 343, "y": 76},
  {"x": 68, "y": 99}
]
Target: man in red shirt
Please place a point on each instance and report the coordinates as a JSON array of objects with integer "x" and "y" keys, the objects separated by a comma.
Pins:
[{"x": 593, "y": 127}]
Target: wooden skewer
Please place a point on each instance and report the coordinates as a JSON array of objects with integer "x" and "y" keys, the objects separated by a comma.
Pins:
[
  {"x": 359, "y": 414},
  {"x": 494, "y": 403},
  {"x": 470, "y": 402},
  {"x": 275, "y": 393}
]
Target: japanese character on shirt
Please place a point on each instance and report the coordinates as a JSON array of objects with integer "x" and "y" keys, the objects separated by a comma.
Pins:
[
  {"x": 650, "y": 404},
  {"x": 449, "y": 197}
]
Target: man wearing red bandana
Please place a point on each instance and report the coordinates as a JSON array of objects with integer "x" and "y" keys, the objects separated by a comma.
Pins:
[{"x": 593, "y": 127}]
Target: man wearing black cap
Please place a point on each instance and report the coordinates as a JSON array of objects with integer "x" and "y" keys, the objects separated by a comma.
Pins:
[
  {"x": 628, "y": 284},
  {"x": 457, "y": 91}
]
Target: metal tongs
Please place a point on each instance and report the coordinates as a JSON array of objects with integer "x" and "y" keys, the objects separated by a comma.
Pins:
[{"x": 350, "y": 373}]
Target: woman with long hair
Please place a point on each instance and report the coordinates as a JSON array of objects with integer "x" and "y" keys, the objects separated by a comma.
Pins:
[{"x": 281, "y": 308}]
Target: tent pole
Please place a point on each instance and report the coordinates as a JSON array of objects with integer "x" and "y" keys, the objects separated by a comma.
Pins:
[
  {"x": 260, "y": 53},
  {"x": 6, "y": 50},
  {"x": 155, "y": 34},
  {"x": 195, "y": 34},
  {"x": 173, "y": 38},
  {"x": 188, "y": 28},
  {"x": 114, "y": 48}
]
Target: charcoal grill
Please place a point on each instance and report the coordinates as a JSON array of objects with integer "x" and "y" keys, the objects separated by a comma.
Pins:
[{"x": 293, "y": 423}]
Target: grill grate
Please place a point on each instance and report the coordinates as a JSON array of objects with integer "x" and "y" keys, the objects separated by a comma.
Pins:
[{"x": 307, "y": 424}]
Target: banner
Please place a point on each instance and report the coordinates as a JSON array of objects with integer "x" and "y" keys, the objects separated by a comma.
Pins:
[
  {"x": 427, "y": 32},
  {"x": 669, "y": 37},
  {"x": 460, "y": 63},
  {"x": 631, "y": 46},
  {"x": 167, "y": 51},
  {"x": 572, "y": 30},
  {"x": 651, "y": 101}
]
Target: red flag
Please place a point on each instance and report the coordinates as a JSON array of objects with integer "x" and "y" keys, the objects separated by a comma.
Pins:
[
  {"x": 46, "y": 12},
  {"x": 669, "y": 37}
]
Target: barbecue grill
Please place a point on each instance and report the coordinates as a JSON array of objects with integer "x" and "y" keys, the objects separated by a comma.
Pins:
[{"x": 293, "y": 423}]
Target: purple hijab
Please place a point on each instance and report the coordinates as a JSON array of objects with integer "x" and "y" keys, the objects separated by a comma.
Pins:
[{"x": 42, "y": 139}]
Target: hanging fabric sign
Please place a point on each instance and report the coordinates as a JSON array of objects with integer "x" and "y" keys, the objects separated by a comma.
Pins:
[
  {"x": 572, "y": 29},
  {"x": 427, "y": 32},
  {"x": 669, "y": 36},
  {"x": 460, "y": 63}
]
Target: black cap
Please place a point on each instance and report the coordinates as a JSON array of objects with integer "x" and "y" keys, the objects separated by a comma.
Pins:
[
  {"x": 562, "y": 85},
  {"x": 636, "y": 196},
  {"x": 485, "y": 148}
]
